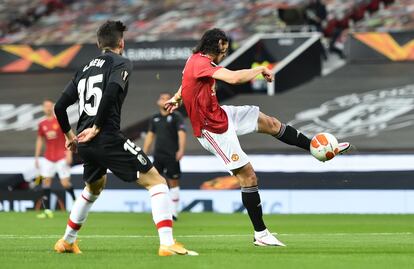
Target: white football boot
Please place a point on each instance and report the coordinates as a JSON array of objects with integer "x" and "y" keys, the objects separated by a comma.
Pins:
[
  {"x": 266, "y": 239},
  {"x": 344, "y": 147}
]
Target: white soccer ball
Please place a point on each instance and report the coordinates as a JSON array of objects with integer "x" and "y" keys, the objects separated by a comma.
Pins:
[{"x": 324, "y": 146}]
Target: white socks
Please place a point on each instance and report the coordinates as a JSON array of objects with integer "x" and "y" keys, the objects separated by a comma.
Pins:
[
  {"x": 79, "y": 214},
  {"x": 161, "y": 213},
  {"x": 175, "y": 198}
]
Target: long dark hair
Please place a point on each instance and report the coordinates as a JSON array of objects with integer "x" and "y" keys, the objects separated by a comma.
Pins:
[{"x": 209, "y": 43}]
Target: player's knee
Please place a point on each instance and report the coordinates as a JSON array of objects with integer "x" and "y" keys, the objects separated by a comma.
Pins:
[
  {"x": 248, "y": 179},
  {"x": 268, "y": 124},
  {"x": 66, "y": 183},
  {"x": 46, "y": 183},
  {"x": 151, "y": 178},
  {"x": 95, "y": 190},
  {"x": 274, "y": 125},
  {"x": 97, "y": 187},
  {"x": 251, "y": 180}
]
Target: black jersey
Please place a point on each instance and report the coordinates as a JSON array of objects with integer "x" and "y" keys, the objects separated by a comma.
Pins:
[
  {"x": 90, "y": 83},
  {"x": 166, "y": 130}
]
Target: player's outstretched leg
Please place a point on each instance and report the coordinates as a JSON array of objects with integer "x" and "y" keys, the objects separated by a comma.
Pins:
[
  {"x": 288, "y": 134},
  {"x": 161, "y": 213},
  {"x": 78, "y": 215},
  {"x": 251, "y": 201}
]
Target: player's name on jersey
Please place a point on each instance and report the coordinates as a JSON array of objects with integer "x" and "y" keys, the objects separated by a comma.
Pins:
[{"x": 95, "y": 62}]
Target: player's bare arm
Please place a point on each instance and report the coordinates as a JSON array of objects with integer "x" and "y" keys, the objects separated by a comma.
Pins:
[
  {"x": 181, "y": 145},
  {"x": 71, "y": 141},
  {"x": 38, "y": 149},
  {"x": 242, "y": 76},
  {"x": 149, "y": 139},
  {"x": 175, "y": 102},
  {"x": 61, "y": 105}
]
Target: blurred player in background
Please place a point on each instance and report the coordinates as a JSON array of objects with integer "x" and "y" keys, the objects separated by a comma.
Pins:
[
  {"x": 57, "y": 159},
  {"x": 168, "y": 131},
  {"x": 101, "y": 87},
  {"x": 217, "y": 127}
]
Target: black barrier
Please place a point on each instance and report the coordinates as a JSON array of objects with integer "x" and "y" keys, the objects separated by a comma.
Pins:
[
  {"x": 23, "y": 200},
  {"x": 17, "y": 58},
  {"x": 380, "y": 47},
  {"x": 343, "y": 180},
  {"x": 271, "y": 50}
]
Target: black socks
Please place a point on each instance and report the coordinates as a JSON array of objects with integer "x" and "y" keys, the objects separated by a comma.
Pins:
[
  {"x": 251, "y": 201},
  {"x": 46, "y": 198},
  {"x": 291, "y": 136},
  {"x": 71, "y": 192}
]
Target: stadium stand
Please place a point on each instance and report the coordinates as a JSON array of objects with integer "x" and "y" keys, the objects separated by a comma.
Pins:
[
  {"x": 18, "y": 15},
  {"x": 396, "y": 17},
  {"x": 75, "y": 21}
]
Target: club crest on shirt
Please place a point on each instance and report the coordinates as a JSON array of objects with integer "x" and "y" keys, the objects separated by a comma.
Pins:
[
  {"x": 169, "y": 118},
  {"x": 52, "y": 134},
  {"x": 235, "y": 157}
]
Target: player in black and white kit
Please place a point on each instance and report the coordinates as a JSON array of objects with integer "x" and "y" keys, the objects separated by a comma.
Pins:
[
  {"x": 168, "y": 131},
  {"x": 101, "y": 87}
]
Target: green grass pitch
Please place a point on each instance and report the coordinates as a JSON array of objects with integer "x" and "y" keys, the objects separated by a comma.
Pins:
[{"x": 129, "y": 240}]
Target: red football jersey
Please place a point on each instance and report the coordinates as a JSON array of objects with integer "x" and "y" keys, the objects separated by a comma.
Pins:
[
  {"x": 55, "y": 139},
  {"x": 199, "y": 95}
]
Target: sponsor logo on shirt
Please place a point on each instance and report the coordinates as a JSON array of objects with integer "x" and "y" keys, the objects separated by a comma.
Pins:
[
  {"x": 124, "y": 75},
  {"x": 141, "y": 159},
  {"x": 52, "y": 134}
]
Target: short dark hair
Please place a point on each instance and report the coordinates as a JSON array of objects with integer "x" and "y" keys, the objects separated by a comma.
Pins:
[
  {"x": 209, "y": 43},
  {"x": 110, "y": 33}
]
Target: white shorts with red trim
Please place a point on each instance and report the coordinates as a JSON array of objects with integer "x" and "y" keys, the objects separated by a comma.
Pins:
[
  {"x": 49, "y": 169},
  {"x": 226, "y": 146}
]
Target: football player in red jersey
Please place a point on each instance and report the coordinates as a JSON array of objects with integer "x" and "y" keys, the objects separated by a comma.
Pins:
[
  {"x": 217, "y": 127},
  {"x": 57, "y": 159}
]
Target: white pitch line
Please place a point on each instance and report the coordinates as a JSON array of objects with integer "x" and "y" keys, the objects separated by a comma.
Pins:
[{"x": 16, "y": 236}]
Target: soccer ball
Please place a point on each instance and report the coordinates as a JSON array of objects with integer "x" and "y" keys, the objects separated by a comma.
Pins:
[{"x": 324, "y": 146}]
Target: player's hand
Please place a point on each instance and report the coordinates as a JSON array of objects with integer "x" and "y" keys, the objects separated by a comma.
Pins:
[
  {"x": 172, "y": 104},
  {"x": 72, "y": 144},
  {"x": 179, "y": 155},
  {"x": 87, "y": 135},
  {"x": 267, "y": 74}
]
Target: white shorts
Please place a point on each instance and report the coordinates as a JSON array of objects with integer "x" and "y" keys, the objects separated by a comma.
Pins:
[
  {"x": 226, "y": 146},
  {"x": 48, "y": 169}
]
